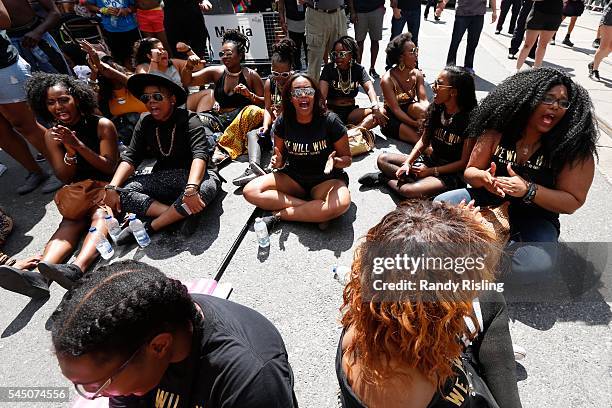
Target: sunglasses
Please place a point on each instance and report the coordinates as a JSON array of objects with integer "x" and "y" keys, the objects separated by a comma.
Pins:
[
  {"x": 561, "y": 103},
  {"x": 300, "y": 92},
  {"x": 281, "y": 74},
  {"x": 225, "y": 54},
  {"x": 340, "y": 54},
  {"x": 414, "y": 51},
  {"x": 437, "y": 84},
  {"x": 156, "y": 96},
  {"x": 80, "y": 388}
]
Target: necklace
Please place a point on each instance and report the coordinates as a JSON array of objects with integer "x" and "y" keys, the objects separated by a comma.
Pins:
[
  {"x": 444, "y": 120},
  {"x": 233, "y": 74},
  {"x": 159, "y": 142},
  {"x": 345, "y": 86}
]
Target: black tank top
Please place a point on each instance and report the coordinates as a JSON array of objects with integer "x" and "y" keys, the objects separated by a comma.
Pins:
[
  {"x": 537, "y": 169},
  {"x": 447, "y": 140},
  {"x": 235, "y": 100},
  {"x": 454, "y": 393},
  {"x": 87, "y": 132}
]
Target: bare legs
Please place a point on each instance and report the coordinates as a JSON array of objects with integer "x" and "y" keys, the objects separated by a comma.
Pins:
[
  {"x": 531, "y": 37},
  {"x": 605, "y": 46},
  {"x": 281, "y": 194},
  {"x": 202, "y": 101},
  {"x": 389, "y": 163},
  {"x": 22, "y": 119},
  {"x": 12, "y": 143}
]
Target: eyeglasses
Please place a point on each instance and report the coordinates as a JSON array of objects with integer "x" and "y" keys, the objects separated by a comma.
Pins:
[
  {"x": 340, "y": 54},
  {"x": 414, "y": 51},
  {"x": 281, "y": 74},
  {"x": 156, "y": 96},
  {"x": 437, "y": 84},
  {"x": 299, "y": 92},
  {"x": 561, "y": 103},
  {"x": 80, "y": 388},
  {"x": 225, "y": 54}
]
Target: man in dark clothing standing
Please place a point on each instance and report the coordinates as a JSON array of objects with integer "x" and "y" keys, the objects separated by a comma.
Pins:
[
  {"x": 183, "y": 21},
  {"x": 370, "y": 14},
  {"x": 506, "y": 5},
  {"x": 469, "y": 16},
  {"x": 519, "y": 30},
  {"x": 406, "y": 12}
]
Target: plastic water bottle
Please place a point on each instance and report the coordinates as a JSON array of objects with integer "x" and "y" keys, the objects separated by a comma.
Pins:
[
  {"x": 342, "y": 274},
  {"x": 263, "y": 238},
  {"x": 113, "y": 227},
  {"x": 102, "y": 245},
  {"x": 138, "y": 229}
]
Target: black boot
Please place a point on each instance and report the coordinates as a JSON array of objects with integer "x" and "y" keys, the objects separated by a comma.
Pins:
[
  {"x": 66, "y": 275},
  {"x": 27, "y": 283}
]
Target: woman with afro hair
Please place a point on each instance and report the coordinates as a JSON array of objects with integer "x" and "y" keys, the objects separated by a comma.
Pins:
[
  {"x": 535, "y": 149},
  {"x": 82, "y": 146}
]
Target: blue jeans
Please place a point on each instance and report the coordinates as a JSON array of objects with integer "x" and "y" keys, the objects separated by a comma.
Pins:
[
  {"x": 473, "y": 25},
  {"x": 410, "y": 17},
  {"x": 46, "y": 56},
  {"x": 533, "y": 241}
]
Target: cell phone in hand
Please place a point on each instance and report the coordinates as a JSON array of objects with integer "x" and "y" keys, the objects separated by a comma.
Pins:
[{"x": 185, "y": 207}]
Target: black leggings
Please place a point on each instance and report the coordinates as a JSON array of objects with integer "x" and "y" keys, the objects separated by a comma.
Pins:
[{"x": 166, "y": 186}]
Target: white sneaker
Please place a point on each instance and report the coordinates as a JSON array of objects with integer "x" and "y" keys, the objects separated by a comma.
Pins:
[
  {"x": 51, "y": 184},
  {"x": 519, "y": 352}
]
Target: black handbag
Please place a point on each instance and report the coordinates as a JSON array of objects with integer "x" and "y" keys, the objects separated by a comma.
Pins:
[{"x": 479, "y": 394}]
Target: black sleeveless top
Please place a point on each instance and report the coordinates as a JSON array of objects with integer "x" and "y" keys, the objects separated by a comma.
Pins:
[
  {"x": 235, "y": 100},
  {"x": 453, "y": 395},
  {"x": 537, "y": 169},
  {"x": 447, "y": 140},
  {"x": 87, "y": 132}
]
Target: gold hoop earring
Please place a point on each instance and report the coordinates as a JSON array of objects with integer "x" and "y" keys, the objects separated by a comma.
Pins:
[{"x": 401, "y": 66}]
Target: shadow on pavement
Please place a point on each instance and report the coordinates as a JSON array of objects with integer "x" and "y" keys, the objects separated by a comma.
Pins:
[{"x": 24, "y": 317}]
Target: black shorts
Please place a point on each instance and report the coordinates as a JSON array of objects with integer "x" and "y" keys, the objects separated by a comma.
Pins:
[
  {"x": 121, "y": 43},
  {"x": 538, "y": 20},
  {"x": 308, "y": 182},
  {"x": 343, "y": 112},
  {"x": 451, "y": 181},
  {"x": 392, "y": 128}
]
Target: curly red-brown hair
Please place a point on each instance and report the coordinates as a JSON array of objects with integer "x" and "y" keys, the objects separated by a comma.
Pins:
[{"x": 417, "y": 328}]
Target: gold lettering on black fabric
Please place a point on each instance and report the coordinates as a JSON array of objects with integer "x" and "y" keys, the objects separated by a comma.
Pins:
[
  {"x": 506, "y": 156},
  {"x": 305, "y": 149},
  {"x": 166, "y": 399},
  {"x": 447, "y": 137}
]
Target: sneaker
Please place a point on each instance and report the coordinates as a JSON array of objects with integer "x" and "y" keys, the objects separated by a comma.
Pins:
[
  {"x": 40, "y": 158},
  {"x": 32, "y": 181},
  {"x": 26, "y": 283},
  {"x": 256, "y": 168},
  {"x": 552, "y": 41},
  {"x": 497, "y": 32},
  {"x": 511, "y": 56},
  {"x": 51, "y": 184},
  {"x": 371, "y": 179},
  {"x": 437, "y": 18},
  {"x": 220, "y": 157},
  {"x": 593, "y": 72},
  {"x": 374, "y": 74},
  {"x": 3, "y": 168},
  {"x": 596, "y": 43},
  {"x": 271, "y": 222},
  {"x": 566, "y": 41},
  {"x": 243, "y": 179},
  {"x": 66, "y": 275},
  {"x": 519, "y": 352}
]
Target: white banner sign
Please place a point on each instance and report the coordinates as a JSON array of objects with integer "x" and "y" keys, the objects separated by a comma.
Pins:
[{"x": 249, "y": 24}]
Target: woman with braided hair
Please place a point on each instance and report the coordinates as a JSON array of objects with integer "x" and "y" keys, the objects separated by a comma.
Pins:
[
  {"x": 130, "y": 333},
  {"x": 535, "y": 149}
]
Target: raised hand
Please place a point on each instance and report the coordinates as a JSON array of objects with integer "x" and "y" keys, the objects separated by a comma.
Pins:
[{"x": 277, "y": 160}]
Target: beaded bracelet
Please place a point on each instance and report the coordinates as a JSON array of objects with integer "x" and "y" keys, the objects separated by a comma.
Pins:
[{"x": 69, "y": 160}]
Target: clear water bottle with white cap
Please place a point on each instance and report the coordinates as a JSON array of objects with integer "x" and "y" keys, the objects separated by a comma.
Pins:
[
  {"x": 113, "y": 227},
  {"x": 102, "y": 245},
  {"x": 139, "y": 231},
  {"x": 261, "y": 230}
]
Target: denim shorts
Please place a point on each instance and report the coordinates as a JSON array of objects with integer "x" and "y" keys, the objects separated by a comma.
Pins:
[{"x": 13, "y": 80}]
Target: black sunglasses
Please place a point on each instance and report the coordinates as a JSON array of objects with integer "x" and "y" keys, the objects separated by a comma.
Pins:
[
  {"x": 156, "y": 96},
  {"x": 225, "y": 54}
]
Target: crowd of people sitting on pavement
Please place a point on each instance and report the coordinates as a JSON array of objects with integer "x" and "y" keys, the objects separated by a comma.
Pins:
[{"x": 526, "y": 152}]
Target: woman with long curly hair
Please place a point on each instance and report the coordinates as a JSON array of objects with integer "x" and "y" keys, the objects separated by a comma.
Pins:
[
  {"x": 82, "y": 146},
  {"x": 535, "y": 149},
  {"x": 403, "y": 88},
  {"x": 437, "y": 161},
  {"x": 403, "y": 348}
]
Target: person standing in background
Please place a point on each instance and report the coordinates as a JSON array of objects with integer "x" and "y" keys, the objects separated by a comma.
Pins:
[
  {"x": 150, "y": 17},
  {"x": 542, "y": 23},
  {"x": 519, "y": 30},
  {"x": 506, "y": 5},
  {"x": 469, "y": 16},
  {"x": 370, "y": 14},
  {"x": 292, "y": 19},
  {"x": 406, "y": 12},
  {"x": 184, "y": 22},
  {"x": 572, "y": 9},
  {"x": 325, "y": 23}
]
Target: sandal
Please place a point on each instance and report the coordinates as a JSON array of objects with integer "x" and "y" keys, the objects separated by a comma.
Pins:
[
  {"x": 6, "y": 226},
  {"x": 220, "y": 157},
  {"x": 6, "y": 260}
]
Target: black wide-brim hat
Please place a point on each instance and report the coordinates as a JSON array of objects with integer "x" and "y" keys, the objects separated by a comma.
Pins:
[{"x": 137, "y": 83}]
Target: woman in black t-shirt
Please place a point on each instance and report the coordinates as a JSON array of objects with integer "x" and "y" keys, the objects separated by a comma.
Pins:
[
  {"x": 535, "y": 149},
  {"x": 182, "y": 181},
  {"x": 437, "y": 161},
  {"x": 130, "y": 333},
  {"x": 339, "y": 82},
  {"x": 81, "y": 146},
  {"x": 311, "y": 150},
  {"x": 403, "y": 347}
]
